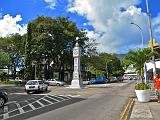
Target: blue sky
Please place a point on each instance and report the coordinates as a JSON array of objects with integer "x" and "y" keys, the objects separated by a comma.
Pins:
[
  {"x": 30, "y": 9},
  {"x": 96, "y": 16}
]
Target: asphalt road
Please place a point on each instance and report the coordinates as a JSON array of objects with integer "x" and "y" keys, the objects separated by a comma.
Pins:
[{"x": 60, "y": 103}]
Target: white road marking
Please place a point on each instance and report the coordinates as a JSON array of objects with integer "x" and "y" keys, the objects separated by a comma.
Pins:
[
  {"x": 20, "y": 108},
  {"x": 68, "y": 97},
  {"x": 19, "y": 93},
  {"x": 5, "y": 115},
  {"x": 47, "y": 101},
  {"x": 10, "y": 102},
  {"x": 74, "y": 95},
  {"x": 33, "y": 108},
  {"x": 60, "y": 97},
  {"x": 40, "y": 103},
  {"x": 27, "y": 101},
  {"x": 53, "y": 98}
]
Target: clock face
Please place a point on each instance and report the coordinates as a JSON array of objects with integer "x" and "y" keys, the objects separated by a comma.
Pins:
[{"x": 75, "y": 52}]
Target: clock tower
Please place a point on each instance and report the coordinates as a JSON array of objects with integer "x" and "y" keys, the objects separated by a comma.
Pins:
[{"x": 76, "y": 81}]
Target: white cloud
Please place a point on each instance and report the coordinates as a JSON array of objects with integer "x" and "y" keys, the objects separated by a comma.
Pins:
[
  {"x": 51, "y": 3},
  {"x": 9, "y": 25},
  {"x": 113, "y": 18}
]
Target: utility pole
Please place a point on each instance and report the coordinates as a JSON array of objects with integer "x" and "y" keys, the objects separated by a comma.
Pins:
[{"x": 151, "y": 37}]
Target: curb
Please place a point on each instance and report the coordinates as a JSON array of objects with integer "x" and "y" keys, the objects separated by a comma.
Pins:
[{"x": 127, "y": 110}]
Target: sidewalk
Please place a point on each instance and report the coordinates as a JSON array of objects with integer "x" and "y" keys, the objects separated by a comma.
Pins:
[{"x": 146, "y": 111}]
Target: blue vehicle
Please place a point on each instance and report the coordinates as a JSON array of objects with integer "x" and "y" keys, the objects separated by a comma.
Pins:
[{"x": 99, "y": 80}]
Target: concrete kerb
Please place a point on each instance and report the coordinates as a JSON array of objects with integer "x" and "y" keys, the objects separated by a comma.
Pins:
[{"x": 125, "y": 115}]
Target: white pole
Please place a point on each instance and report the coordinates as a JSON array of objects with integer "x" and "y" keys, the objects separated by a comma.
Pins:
[{"x": 151, "y": 38}]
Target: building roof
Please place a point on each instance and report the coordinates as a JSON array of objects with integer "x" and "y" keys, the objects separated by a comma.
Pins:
[{"x": 155, "y": 44}]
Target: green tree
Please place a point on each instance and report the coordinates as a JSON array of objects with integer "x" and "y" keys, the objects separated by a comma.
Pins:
[
  {"x": 103, "y": 63},
  {"x": 14, "y": 46},
  {"x": 4, "y": 59},
  {"x": 138, "y": 58},
  {"x": 28, "y": 64},
  {"x": 50, "y": 38}
]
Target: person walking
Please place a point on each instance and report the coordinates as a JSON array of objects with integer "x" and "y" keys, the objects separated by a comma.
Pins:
[{"x": 157, "y": 86}]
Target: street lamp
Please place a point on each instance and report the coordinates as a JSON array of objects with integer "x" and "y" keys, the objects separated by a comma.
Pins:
[{"x": 140, "y": 31}]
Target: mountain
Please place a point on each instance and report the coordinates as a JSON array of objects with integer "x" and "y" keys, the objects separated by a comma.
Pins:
[{"x": 120, "y": 56}]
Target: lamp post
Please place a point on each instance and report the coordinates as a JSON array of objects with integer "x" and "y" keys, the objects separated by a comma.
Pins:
[
  {"x": 140, "y": 31},
  {"x": 141, "y": 38}
]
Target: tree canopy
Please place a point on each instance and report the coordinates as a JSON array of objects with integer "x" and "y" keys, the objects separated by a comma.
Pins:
[{"x": 138, "y": 58}]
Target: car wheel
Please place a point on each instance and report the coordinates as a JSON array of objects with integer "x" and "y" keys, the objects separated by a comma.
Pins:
[
  {"x": 2, "y": 101},
  {"x": 89, "y": 83},
  {"x": 58, "y": 84},
  {"x": 27, "y": 92},
  {"x": 46, "y": 89}
]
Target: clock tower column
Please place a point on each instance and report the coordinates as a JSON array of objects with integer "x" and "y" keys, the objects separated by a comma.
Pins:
[{"x": 76, "y": 81}]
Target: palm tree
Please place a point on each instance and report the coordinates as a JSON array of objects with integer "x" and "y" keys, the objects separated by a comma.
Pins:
[{"x": 138, "y": 58}]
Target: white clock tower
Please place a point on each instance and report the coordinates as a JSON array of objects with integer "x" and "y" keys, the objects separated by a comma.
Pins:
[{"x": 77, "y": 81}]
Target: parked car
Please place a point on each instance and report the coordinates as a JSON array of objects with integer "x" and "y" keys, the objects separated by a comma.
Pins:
[
  {"x": 120, "y": 78},
  {"x": 113, "y": 79},
  {"x": 99, "y": 80},
  {"x": 36, "y": 85},
  {"x": 55, "y": 82},
  {"x": 3, "y": 98},
  {"x": 18, "y": 79}
]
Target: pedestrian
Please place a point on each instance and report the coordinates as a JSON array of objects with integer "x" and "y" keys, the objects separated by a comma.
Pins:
[
  {"x": 151, "y": 82},
  {"x": 157, "y": 86}
]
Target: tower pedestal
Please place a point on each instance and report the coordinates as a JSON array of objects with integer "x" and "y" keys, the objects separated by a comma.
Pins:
[{"x": 76, "y": 84}]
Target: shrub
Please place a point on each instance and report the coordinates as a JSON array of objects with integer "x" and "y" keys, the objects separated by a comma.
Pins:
[{"x": 142, "y": 86}]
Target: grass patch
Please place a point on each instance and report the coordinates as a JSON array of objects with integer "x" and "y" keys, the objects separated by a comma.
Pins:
[{"x": 7, "y": 82}]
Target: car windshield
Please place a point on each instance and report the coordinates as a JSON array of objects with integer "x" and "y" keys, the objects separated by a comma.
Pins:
[
  {"x": 32, "y": 83},
  {"x": 40, "y": 82},
  {"x": 52, "y": 80}
]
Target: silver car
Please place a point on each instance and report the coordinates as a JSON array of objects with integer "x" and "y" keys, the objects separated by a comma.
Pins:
[
  {"x": 55, "y": 82},
  {"x": 35, "y": 85}
]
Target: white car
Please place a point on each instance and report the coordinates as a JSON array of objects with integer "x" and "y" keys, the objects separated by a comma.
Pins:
[
  {"x": 35, "y": 85},
  {"x": 18, "y": 79},
  {"x": 55, "y": 82}
]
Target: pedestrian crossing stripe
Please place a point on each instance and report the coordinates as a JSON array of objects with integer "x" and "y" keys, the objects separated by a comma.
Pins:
[{"x": 21, "y": 109}]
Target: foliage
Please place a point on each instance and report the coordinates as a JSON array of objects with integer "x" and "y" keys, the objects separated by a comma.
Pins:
[
  {"x": 3, "y": 75},
  {"x": 138, "y": 58},
  {"x": 4, "y": 59},
  {"x": 7, "y": 82},
  {"x": 142, "y": 86},
  {"x": 14, "y": 46},
  {"x": 50, "y": 38},
  {"x": 102, "y": 63},
  {"x": 28, "y": 63}
]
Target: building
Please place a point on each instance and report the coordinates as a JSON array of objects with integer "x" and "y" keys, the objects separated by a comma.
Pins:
[
  {"x": 148, "y": 66},
  {"x": 130, "y": 73}
]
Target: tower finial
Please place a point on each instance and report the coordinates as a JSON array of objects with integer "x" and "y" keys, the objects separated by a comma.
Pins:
[{"x": 77, "y": 44}]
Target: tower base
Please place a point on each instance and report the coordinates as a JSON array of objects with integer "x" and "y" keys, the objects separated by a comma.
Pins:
[{"x": 76, "y": 84}]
